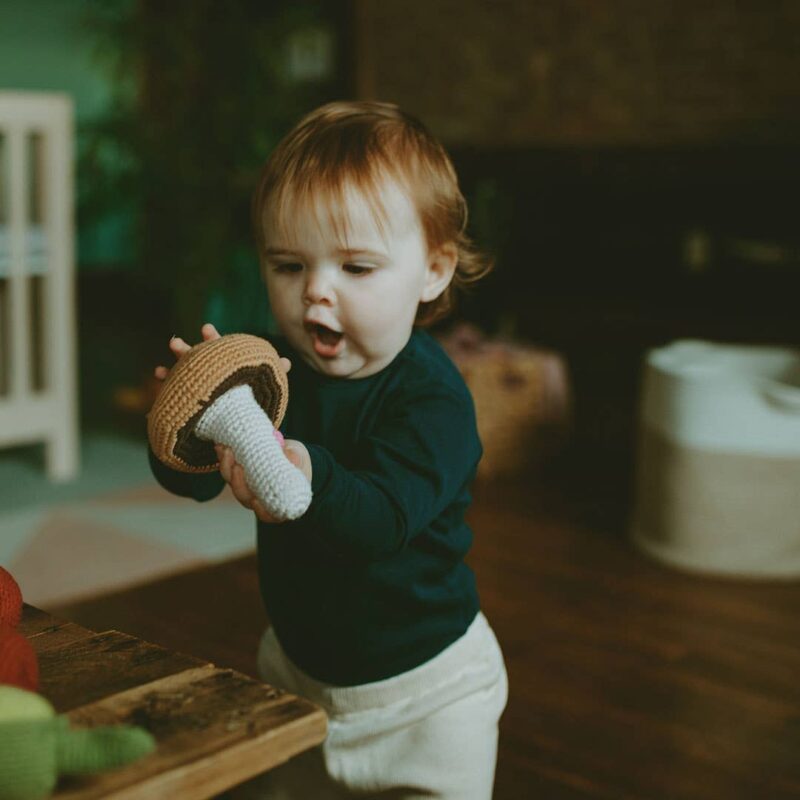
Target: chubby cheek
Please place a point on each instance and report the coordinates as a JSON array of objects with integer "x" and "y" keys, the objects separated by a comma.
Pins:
[
  {"x": 283, "y": 302},
  {"x": 378, "y": 324}
]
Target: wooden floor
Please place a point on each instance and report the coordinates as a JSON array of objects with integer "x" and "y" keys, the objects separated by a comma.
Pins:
[{"x": 627, "y": 679}]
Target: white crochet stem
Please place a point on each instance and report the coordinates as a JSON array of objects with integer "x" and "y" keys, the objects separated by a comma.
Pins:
[{"x": 235, "y": 419}]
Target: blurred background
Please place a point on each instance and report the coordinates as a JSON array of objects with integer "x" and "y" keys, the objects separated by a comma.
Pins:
[
  {"x": 632, "y": 167},
  {"x": 634, "y": 358}
]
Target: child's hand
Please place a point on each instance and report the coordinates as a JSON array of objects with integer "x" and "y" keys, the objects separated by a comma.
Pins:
[
  {"x": 233, "y": 474},
  {"x": 231, "y": 471},
  {"x": 180, "y": 348}
]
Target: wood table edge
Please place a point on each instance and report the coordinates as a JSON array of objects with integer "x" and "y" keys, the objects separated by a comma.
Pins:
[
  {"x": 211, "y": 773},
  {"x": 312, "y": 727}
]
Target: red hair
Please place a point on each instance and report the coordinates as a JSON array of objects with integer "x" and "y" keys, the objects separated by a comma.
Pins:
[{"x": 359, "y": 145}]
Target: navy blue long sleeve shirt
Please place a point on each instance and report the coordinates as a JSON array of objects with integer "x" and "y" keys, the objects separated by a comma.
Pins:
[{"x": 371, "y": 581}]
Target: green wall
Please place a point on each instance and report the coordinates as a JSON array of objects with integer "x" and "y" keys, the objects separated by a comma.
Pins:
[{"x": 46, "y": 45}]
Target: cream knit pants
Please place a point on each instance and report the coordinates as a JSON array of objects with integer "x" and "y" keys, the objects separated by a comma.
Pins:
[{"x": 430, "y": 732}]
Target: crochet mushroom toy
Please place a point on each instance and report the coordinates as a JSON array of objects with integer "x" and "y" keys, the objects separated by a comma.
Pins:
[{"x": 232, "y": 391}]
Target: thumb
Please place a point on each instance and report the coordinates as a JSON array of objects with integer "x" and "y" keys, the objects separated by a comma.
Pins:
[{"x": 293, "y": 453}]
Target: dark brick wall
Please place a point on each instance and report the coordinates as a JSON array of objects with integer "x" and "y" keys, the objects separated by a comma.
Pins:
[
  {"x": 591, "y": 137},
  {"x": 588, "y": 72}
]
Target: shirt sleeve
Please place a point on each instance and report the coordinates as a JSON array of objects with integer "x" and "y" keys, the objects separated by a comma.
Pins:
[
  {"x": 416, "y": 461},
  {"x": 200, "y": 486}
]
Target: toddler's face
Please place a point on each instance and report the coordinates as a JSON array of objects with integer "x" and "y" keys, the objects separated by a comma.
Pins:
[{"x": 348, "y": 308}]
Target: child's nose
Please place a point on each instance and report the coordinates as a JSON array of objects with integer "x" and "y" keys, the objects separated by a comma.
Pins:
[{"x": 319, "y": 288}]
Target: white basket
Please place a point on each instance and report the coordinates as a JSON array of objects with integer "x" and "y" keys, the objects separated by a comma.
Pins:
[{"x": 718, "y": 467}]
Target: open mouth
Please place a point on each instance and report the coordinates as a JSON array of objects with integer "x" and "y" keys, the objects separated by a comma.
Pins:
[{"x": 327, "y": 342}]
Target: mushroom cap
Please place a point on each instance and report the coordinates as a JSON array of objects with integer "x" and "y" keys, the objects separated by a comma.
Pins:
[{"x": 205, "y": 373}]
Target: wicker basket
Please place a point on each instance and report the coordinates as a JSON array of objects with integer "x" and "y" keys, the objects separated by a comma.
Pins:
[{"x": 522, "y": 399}]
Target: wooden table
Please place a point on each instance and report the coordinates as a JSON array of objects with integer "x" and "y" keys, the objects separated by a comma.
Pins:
[{"x": 215, "y": 727}]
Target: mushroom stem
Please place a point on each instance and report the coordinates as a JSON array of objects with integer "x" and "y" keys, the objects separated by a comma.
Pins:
[{"x": 236, "y": 420}]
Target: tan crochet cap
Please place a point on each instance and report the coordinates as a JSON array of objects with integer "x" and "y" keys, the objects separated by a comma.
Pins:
[{"x": 207, "y": 371}]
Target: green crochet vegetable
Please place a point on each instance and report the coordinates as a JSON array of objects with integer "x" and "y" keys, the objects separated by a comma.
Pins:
[{"x": 36, "y": 746}]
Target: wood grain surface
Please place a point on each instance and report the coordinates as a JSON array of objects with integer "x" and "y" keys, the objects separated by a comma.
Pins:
[{"x": 214, "y": 727}]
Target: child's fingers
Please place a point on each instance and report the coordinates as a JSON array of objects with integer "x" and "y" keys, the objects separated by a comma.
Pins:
[
  {"x": 178, "y": 346},
  {"x": 293, "y": 455},
  {"x": 241, "y": 491},
  {"x": 237, "y": 482},
  {"x": 286, "y": 365},
  {"x": 209, "y": 332},
  {"x": 161, "y": 373},
  {"x": 234, "y": 477},
  {"x": 263, "y": 514},
  {"x": 225, "y": 462}
]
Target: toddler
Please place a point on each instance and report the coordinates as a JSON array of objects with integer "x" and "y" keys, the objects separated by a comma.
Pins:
[{"x": 374, "y": 614}]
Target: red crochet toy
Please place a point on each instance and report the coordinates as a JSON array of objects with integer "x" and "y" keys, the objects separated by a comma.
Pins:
[
  {"x": 10, "y": 600},
  {"x": 18, "y": 663}
]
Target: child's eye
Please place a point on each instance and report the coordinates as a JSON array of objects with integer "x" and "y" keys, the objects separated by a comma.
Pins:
[
  {"x": 288, "y": 267},
  {"x": 357, "y": 269}
]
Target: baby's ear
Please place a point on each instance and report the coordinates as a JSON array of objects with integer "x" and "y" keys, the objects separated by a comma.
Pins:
[{"x": 442, "y": 264}]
